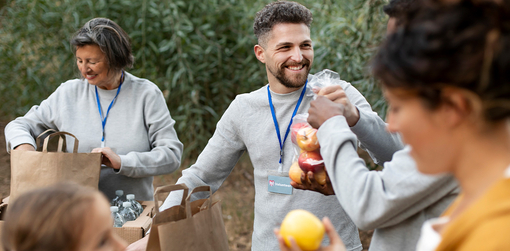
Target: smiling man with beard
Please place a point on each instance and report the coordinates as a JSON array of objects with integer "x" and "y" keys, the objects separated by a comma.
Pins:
[
  {"x": 288, "y": 55},
  {"x": 258, "y": 123}
]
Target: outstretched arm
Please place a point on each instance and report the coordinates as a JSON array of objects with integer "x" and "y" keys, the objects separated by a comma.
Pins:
[
  {"x": 216, "y": 161},
  {"x": 365, "y": 123},
  {"x": 376, "y": 199}
]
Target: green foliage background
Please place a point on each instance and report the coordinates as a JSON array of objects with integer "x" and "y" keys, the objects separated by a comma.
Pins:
[{"x": 199, "y": 52}]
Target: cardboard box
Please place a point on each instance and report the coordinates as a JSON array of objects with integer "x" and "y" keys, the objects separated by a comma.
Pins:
[{"x": 132, "y": 231}]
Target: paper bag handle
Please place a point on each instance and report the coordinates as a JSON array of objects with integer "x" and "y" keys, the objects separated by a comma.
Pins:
[
  {"x": 60, "y": 141},
  {"x": 170, "y": 188},
  {"x": 196, "y": 190},
  {"x": 38, "y": 139}
]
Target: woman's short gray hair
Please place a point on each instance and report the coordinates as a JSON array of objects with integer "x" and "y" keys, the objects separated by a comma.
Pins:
[{"x": 113, "y": 41}]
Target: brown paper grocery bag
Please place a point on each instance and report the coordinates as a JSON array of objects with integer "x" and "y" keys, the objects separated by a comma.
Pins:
[
  {"x": 175, "y": 212},
  {"x": 191, "y": 226},
  {"x": 35, "y": 169}
]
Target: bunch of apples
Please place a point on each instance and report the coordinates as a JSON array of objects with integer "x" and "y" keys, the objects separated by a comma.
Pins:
[{"x": 305, "y": 137}]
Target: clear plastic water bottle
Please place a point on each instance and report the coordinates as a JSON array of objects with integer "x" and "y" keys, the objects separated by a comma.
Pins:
[
  {"x": 118, "y": 220},
  {"x": 127, "y": 211},
  {"x": 135, "y": 204},
  {"x": 117, "y": 201}
]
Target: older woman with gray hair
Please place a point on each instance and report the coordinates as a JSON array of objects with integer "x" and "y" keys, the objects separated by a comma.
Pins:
[{"x": 110, "y": 111}]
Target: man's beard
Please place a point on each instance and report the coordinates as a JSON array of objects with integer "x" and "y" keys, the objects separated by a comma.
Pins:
[{"x": 286, "y": 81}]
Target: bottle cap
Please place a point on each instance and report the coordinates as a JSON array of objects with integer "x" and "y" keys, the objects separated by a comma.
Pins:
[
  {"x": 130, "y": 196},
  {"x": 126, "y": 204},
  {"x": 114, "y": 209},
  {"x": 119, "y": 192}
]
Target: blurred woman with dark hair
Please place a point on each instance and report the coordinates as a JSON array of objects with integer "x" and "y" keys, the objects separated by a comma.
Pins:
[
  {"x": 110, "y": 111},
  {"x": 446, "y": 76},
  {"x": 62, "y": 217}
]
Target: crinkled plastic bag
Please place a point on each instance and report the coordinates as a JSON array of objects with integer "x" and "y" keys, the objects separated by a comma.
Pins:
[
  {"x": 322, "y": 79},
  {"x": 304, "y": 137}
]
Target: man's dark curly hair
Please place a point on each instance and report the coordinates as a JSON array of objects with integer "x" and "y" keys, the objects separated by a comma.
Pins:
[
  {"x": 277, "y": 13},
  {"x": 463, "y": 43}
]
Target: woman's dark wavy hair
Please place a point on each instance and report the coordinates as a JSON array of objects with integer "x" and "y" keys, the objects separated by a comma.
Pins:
[
  {"x": 113, "y": 41},
  {"x": 398, "y": 8},
  {"x": 464, "y": 43}
]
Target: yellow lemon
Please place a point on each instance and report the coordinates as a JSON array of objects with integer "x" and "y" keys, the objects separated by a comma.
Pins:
[{"x": 306, "y": 229}]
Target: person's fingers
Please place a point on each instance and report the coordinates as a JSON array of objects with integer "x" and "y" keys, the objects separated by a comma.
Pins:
[
  {"x": 304, "y": 180},
  {"x": 330, "y": 89},
  {"x": 334, "y": 93},
  {"x": 334, "y": 238},
  {"x": 96, "y": 150},
  {"x": 322, "y": 101},
  {"x": 328, "y": 186},
  {"x": 313, "y": 119},
  {"x": 334, "y": 96},
  {"x": 103, "y": 150},
  {"x": 293, "y": 244},
  {"x": 312, "y": 181},
  {"x": 322, "y": 92},
  {"x": 110, "y": 158},
  {"x": 296, "y": 185},
  {"x": 281, "y": 241},
  {"x": 106, "y": 151},
  {"x": 311, "y": 178}
]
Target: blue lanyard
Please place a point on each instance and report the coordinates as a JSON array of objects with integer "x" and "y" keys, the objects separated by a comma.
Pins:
[
  {"x": 280, "y": 168},
  {"x": 103, "y": 120}
]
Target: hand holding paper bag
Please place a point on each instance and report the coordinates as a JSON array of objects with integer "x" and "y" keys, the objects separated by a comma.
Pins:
[{"x": 109, "y": 158}]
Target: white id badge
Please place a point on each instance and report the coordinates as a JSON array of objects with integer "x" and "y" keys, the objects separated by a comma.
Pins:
[{"x": 279, "y": 183}]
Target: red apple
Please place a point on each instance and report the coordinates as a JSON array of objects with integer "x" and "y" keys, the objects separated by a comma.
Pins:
[
  {"x": 295, "y": 128},
  {"x": 307, "y": 139},
  {"x": 311, "y": 161}
]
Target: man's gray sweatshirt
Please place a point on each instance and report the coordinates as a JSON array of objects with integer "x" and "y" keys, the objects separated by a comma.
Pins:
[{"x": 247, "y": 126}]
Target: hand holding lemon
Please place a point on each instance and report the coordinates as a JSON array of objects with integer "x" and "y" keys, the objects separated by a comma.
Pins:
[{"x": 301, "y": 230}]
